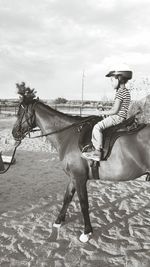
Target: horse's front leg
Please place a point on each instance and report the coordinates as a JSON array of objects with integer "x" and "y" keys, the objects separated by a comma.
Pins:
[
  {"x": 148, "y": 176},
  {"x": 67, "y": 199},
  {"x": 83, "y": 198}
]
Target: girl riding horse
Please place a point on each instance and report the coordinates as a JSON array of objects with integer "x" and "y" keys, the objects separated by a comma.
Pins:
[{"x": 116, "y": 115}]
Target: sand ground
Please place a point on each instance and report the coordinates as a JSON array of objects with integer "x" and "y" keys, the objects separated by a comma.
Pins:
[{"x": 31, "y": 194}]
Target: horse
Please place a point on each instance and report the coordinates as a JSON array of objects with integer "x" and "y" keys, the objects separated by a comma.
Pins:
[{"x": 129, "y": 159}]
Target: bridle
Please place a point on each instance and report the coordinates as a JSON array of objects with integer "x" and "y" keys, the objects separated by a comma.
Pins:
[{"x": 29, "y": 119}]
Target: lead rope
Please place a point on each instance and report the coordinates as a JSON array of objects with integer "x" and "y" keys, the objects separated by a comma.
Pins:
[{"x": 13, "y": 155}]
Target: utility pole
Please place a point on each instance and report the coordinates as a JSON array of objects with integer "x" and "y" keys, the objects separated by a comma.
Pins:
[{"x": 82, "y": 94}]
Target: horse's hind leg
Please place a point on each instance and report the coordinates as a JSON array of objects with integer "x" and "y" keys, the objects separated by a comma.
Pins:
[{"x": 67, "y": 199}]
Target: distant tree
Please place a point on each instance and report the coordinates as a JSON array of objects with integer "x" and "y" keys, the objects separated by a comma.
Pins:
[
  {"x": 87, "y": 102},
  {"x": 140, "y": 90},
  {"x": 140, "y": 87},
  {"x": 60, "y": 100}
]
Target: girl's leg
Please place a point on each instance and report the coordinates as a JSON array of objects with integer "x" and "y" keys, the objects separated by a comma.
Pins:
[
  {"x": 97, "y": 133},
  {"x": 97, "y": 137}
]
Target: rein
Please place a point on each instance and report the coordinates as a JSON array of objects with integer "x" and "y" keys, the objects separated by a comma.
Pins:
[
  {"x": 31, "y": 125},
  {"x": 13, "y": 156},
  {"x": 64, "y": 128}
]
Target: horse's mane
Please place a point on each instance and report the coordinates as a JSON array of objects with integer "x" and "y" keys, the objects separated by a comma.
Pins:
[
  {"x": 59, "y": 113},
  {"x": 28, "y": 96}
]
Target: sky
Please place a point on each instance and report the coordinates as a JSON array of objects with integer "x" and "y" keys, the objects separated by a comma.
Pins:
[{"x": 49, "y": 44}]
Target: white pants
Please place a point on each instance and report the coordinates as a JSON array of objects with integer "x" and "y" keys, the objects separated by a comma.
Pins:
[{"x": 97, "y": 136}]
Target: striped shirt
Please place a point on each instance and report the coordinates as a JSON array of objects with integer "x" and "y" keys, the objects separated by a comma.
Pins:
[{"x": 124, "y": 96}]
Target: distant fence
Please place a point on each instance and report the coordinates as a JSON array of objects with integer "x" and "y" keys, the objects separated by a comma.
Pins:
[
  {"x": 85, "y": 110},
  {"x": 10, "y": 110}
]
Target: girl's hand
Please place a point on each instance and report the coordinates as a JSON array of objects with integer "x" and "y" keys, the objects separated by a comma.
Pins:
[{"x": 100, "y": 107}]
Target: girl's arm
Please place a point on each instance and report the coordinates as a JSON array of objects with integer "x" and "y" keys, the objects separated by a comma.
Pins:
[{"x": 114, "y": 110}]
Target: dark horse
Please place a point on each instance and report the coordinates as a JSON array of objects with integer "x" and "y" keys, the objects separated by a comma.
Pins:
[{"x": 129, "y": 159}]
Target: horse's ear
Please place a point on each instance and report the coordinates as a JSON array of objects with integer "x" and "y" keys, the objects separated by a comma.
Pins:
[
  {"x": 27, "y": 94},
  {"x": 21, "y": 88}
]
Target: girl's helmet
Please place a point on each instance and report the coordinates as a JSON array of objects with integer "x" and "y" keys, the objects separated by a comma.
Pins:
[{"x": 122, "y": 71}]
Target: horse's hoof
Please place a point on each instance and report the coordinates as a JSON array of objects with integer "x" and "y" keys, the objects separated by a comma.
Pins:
[
  {"x": 85, "y": 237},
  {"x": 57, "y": 225}
]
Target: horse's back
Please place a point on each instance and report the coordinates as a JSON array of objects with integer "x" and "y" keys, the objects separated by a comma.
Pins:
[{"x": 129, "y": 159}]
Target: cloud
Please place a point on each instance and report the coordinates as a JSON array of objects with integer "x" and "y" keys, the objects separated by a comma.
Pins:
[{"x": 48, "y": 43}]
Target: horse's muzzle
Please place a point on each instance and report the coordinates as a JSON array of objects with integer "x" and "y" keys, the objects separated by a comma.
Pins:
[{"x": 17, "y": 134}]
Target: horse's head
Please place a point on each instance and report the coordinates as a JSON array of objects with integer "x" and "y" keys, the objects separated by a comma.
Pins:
[{"x": 26, "y": 116}]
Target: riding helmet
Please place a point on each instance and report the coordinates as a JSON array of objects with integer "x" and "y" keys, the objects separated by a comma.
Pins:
[{"x": 123, "y": 73}]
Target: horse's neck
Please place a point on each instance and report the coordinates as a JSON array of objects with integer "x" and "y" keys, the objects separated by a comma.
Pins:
[{"x": 50, "y": 120}]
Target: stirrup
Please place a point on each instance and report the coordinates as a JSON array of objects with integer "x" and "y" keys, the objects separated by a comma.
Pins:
[{"x": 87, "y": 148}]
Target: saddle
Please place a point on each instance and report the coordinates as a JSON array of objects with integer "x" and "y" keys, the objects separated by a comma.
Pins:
[{"x": 110, "y": 135}]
